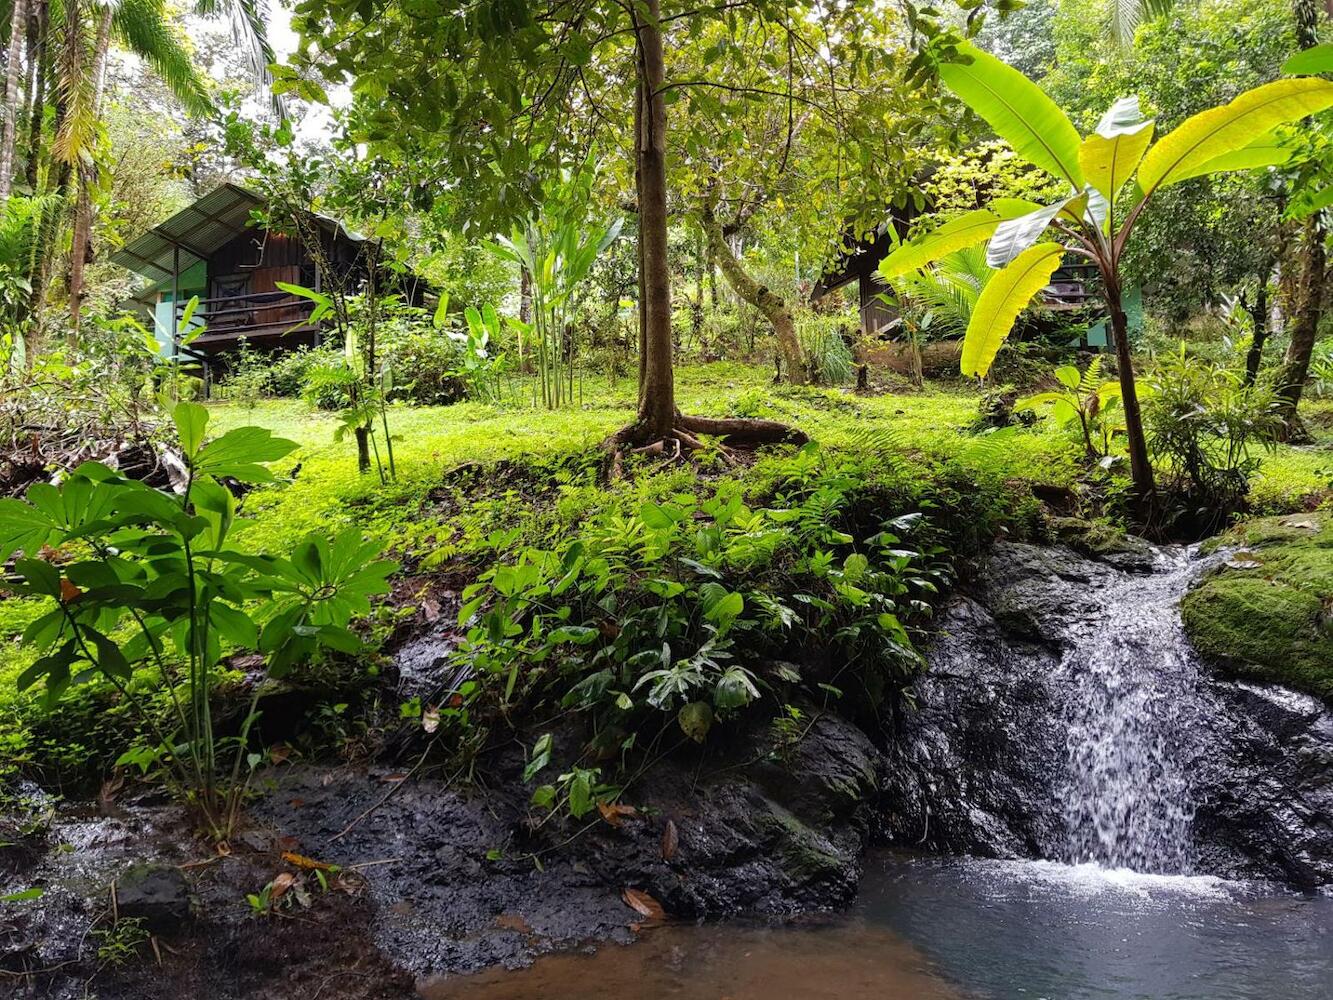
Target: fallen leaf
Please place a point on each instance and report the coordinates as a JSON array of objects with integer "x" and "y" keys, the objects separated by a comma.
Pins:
[
  {"x": 642, "y": 903},
  {"x": 68, "y": 591},
  {"x": 430, "y": 720},
  {"x": 279, "y": 752},
  {"x": 670, "y": 841},
  {"x": 301, "y": 861},
  {"x": 280, "y": 885},
  {"x": 296, "y": 803},
  {"x": 513, "y": 922},
  {"x": 615, "y": 813},
  {"x": 223, "y": 848},
  {"x": 393, "y": 777},
  {"x": 431, "y": 609},
  {"x": 327, "y": 779}
]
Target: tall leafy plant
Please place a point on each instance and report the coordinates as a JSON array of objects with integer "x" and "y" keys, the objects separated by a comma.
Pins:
[
  {"x": 558, "y": 251},
  {"x": 1112, "y": 176},
  {"x": 145, "y": 580}
]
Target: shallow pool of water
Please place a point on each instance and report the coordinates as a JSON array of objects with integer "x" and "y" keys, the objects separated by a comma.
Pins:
[{"x": 959, "y": 929}]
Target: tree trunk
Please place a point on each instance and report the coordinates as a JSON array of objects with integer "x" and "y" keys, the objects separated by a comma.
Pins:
[
  {"x": 81, "y": 247},
  {"x": 1307, "y": 309},
  {"x": 1259, "y": 317},
  {"x": 18, "y": 31},
  {"x": 657, "y": 396},
  {"x": 773, "y": 308},
  {"x": 1140, "y": 468},
  {"x": 38, "y": 56}
]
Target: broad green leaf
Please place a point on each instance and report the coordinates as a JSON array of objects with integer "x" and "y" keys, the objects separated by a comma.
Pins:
[
  {"x": 1301, "y": 208},
  {"x": 441, "y": 311},
  {"x": 1110, "y": 155},
  {"x": 1000, "y": 302},
  {"x": 239, "y": 452},
  {"x": 191, "y": 419},
  {"x": 1217, "y": 132},
  {"x": 1019, "y": 111},
  {"x": 967, "y": 230},
  {"x": 1318, "y": 59}
]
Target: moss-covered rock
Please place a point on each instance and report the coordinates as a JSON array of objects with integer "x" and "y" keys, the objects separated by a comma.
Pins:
[{"x": 1267, "y": 613}]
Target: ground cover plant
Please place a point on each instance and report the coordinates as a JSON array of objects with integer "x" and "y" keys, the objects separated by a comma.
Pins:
[{"x": 485, "y": 455}]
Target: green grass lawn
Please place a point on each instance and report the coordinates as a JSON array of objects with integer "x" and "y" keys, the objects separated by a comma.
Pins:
[{"x": 925, "y": 435}]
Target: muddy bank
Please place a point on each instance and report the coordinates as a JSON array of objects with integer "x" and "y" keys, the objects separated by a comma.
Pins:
[{"x": 439, "y": 878}]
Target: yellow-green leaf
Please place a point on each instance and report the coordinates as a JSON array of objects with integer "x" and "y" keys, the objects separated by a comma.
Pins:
[
  {"x": 1108, "y": 162},
  {"x": 1267, "y": 152},
  {"x": 1219, "y": 131},
  {"x": 1019, "y": 111},
  {"x": 965, "y": 231},
  {"x": 1005, "y": 296}
]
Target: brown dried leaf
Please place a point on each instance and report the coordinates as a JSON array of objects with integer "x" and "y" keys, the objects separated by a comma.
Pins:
[
  {"x": 68, "y": 591},
  {"x": 301, "y": 861},
  {"x": 615, "y": 813},
  {"x": 643, "y": 904},
  {"x": 670, "y": 841},
  {"x": 430, "y": 720},
  {"x": 430, "y": 608},
  {"x": 280, "y": 885},
  {"x": 279, "y": 752}
]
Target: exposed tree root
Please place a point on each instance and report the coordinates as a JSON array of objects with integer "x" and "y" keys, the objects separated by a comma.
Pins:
[{"x": 684, "y": 439}]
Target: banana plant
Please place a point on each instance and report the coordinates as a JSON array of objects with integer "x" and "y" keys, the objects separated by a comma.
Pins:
[{"x": 1113, "y": 175}]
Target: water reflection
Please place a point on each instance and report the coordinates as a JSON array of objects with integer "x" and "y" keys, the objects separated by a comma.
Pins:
[
  {"x": 956, "y": 929},
  {"x": 846, "y": 961}
]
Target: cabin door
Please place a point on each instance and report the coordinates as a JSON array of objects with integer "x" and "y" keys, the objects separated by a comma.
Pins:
[{"x": 284, "y": 309}]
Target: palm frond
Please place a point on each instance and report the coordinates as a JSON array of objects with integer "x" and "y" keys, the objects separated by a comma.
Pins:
[
  {"x": 250, "y": 29},
  {"x": 146, "y": 29},
  {"x": 1125, "y": 16}
]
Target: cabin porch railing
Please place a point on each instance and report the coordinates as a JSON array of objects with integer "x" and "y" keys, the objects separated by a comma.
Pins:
[{"x": 230, "y": 317}]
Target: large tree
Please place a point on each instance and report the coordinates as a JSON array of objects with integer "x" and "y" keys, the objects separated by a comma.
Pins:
[{"x": 499, "y": 96}]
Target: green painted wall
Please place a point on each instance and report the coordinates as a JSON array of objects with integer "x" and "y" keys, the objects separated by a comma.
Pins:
[{"x": 193, "y": 281}]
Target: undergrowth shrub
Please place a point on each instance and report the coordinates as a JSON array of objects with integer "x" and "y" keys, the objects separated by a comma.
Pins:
[
  {"x": 698, "y": 604},
  {"x": 1206, "y": 428}
]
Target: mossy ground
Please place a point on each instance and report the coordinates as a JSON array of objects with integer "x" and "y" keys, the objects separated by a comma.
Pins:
[{"x": 1267, "y": 615}]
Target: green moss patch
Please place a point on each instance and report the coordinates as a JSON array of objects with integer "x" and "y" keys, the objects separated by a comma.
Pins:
[{"x": 1267, "y": 614}]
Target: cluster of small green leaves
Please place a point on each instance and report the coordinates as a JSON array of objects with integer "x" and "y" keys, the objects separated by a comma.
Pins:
[
  {"x": 681, "y": 606},
  {"x": 143, "y": 578}
]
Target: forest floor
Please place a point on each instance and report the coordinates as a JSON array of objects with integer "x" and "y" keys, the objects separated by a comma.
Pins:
[{"x": 462, "y": 473}]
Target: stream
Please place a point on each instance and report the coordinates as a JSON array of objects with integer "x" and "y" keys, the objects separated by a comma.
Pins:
[
  {"x": 966, "y": 929},
  {"x": 1064, "y": 717}
]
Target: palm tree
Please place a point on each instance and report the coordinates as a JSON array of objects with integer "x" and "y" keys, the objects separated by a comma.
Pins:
[
  {"x": 68, "y": 63},
  {"x": 1125, "y": 16}
]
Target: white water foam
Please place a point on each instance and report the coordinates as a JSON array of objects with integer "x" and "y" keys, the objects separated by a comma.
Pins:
[{"x": 1132, "y": 719}]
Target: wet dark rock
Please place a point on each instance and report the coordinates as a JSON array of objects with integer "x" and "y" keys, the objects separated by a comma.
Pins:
[
  {"x": 467, "y": 883},
  {"x": 985, "y": 763},
  {"x": 158, "y": 895}
]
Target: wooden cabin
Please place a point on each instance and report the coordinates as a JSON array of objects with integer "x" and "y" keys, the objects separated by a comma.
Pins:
[{"x": 211, "y": 250}]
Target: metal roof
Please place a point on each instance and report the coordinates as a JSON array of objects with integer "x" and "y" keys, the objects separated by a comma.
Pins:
[
  {"x": 201, "y": 230},
  {"x": 198, "y": 231}
]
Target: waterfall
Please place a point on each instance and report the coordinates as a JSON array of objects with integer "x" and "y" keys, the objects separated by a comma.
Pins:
[{"x": 1135, "y": 710}]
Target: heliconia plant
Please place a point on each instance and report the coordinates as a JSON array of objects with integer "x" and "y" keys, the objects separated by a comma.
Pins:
[{"x": 1113, "y": 175}]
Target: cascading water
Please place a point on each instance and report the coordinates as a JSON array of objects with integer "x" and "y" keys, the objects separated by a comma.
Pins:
[
  {"x": 1134, "y": 715},
  {"x": 1065, "y": 717}
]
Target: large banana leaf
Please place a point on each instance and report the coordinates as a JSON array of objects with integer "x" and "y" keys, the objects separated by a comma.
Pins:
[
  {"x": 1310, "y": 61},
  {"x": 1110, "y": 155},
  {"x": 1013, "y": 236},
  {"x": 1218, "y": 132},
  {"x": 1266, "y": 152},
  {"x": 1019, "y": 111},
  {"x": 965, "y": 231},
  {"x": 1005, "y": 296}
]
